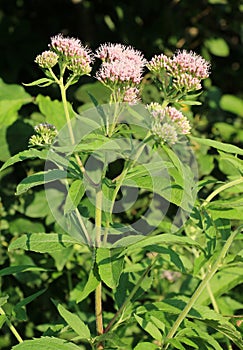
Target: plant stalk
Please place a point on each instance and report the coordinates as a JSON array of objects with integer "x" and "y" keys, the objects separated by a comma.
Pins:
[
  {"x": 131, "y": 295},
  {"x": 98, "y": 290},
  {"x": 11, "y": 326},
  {"x": 222, "y": 188},
  {"x": 200, "y": 288}
]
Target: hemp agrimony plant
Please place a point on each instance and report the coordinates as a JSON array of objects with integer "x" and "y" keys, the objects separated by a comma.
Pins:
[{"x": 126, "y": 177}]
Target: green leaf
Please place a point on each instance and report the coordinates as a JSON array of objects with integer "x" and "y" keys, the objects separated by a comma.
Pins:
[
  {"x": 113, "y": 338},
  {"x": 232, "y": 104},
  {"x": 167, "y": 239},
  {"x": 222, "y": 282},
  {"x": 218, "y": 145},
  {"x": 127, "y": 283},
  {"x": 3, "y": 318},
  {"x": 149, "y": 327},
  {"x": 20, "y": 225},
  {"x": 41, "y": 82},
  {"x": 53, "y": 111},
  {"x": 89, "y": 287},
  {"x": 19, "y": 309},
  {"x": 228, "y": 330},
  {"x": 230, "y": 165},
  {"x": 75, "y": 194},
  {"x": 74, "y": 322},
  {"x": 18, "y": 269},
  {"x": 43, "y": 242},
  {"x": 110, "y": 266},
  {"x": 12, "y": 98},
  {"x": 146, "y": 346},
  {"x": 3, "y": 300},
  {"x": 46, "y": 343},
  {"x": 39, "y": 179},
  {"x": 21, "y": 156},
  {"x": 218, "y": 47},
  {"x": 101, "y": 92}
]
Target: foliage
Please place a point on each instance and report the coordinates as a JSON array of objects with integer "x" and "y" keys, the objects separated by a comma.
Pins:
[{"x": 179, "y": 285}]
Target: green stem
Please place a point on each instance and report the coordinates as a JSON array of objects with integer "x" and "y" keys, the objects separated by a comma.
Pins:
[
  {"x": 222, "y": 188},
  {"x": 129, "y": 165},
  {"x": 131, "y": 295},
  {"x": 210, "y": 273},
  {"x": 98, "y": 290},
  {"x": 11, "y": 326}
]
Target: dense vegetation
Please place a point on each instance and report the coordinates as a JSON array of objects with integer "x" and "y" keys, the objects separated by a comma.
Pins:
[{"x": 40, "y": 282}]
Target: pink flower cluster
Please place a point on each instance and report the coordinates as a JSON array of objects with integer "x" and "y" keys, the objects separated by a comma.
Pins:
[
  {"x": 187, "y": 69},
  {"x": 167, "y": 123},
  {"x": 180, "y": 121},
  {"x": 72, "y": 52},
  {"x": 68, "y": 51},
  {"x": 121, "y": 68}
]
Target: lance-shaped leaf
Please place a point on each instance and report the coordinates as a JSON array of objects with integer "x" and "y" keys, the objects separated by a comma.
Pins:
[
  {"x": 43, "y": 242},
  {"x": 74, "y": 322},
  {"x": 39, "y": 179},
  {"x": 46, "y": 343}
]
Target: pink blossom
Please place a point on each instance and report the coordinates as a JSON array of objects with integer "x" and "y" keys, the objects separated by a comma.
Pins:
[
  {"x": 131, "y": 95},
  {"x": 156, "y": 110},
  {"x": 71, "y": 51},
  {"x": 179, "y": 120},
  {"x": 121, "y": 64},
  {"x": 167, "y": 123},
  {"x": 186, "y": 69},
  {"x": 159, "y": 63},
  {"x": 190, "y": 62}
]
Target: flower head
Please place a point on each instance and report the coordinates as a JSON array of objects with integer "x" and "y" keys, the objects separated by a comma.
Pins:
[
  {"x": 45, "y": 134},
  {"x": 167, "y": 123},
  {"x": 47, "y": 59},
  {"x": 122, "y": 65},
  {"x": 166, "y": 133},
  {"x": 71, "y": 51},
  {"x": 131, "y": 95},
  {"x": 179, "y": 120},
  {"x": 191, "y": 63},
  {"x": 184, "y": 70},
  {"x": 159, "y": 63}
]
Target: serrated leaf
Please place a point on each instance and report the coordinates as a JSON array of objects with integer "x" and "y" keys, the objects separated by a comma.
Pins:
[
  {"x": 149, "y": 327},
  {"x": 90, "y": 286},
  {"x": 167, "y": 239},
  {"x": 43, "y": 242},
  {"x": 39, "y": 179},
  {"x": 110, "y": 266},
  {"x": 74, "y": 322},
  {"x": 75, "y": 194},
  {"x": 21, "y": 156},
  {"x": 46, "y": 343}
]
